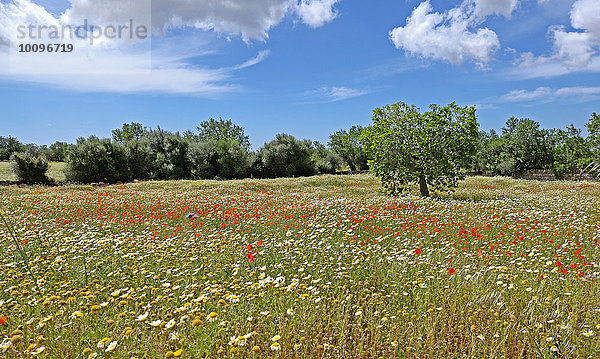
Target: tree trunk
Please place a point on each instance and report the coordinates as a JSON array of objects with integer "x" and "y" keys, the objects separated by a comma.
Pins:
[
  {"x": 423, "y": 185},
  {"x": 352, "y": 166}
]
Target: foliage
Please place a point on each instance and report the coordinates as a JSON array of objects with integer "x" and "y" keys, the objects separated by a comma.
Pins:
[
  {"x": 526, "y": 144},
  {"x": 348, "y": 146},
  {"x": 286, "y": 156},
  {"x": 570, "y": 151},
  {"x": 30, "y": 168},
  {"x": 97, "y": 160},
  {"x": 433, "y": 148},
  {"x": 129, "y": 132},
  {"x": 222, "y": 130},
  {"x": 170, "y": 155},
  {"x": 593, "y": 140},
  {"x": 9, "y": 145},
  {"x": 224, "y": 159}
]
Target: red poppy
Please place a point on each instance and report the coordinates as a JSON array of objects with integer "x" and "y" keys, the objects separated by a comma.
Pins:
[
  {"x": 249, "y": 247},
  {"x": 451, "y": 271},
  {"x": 3, "y": 319},
  {"x": 251, "y": 257},
  {"x": 260, "y": 243},
  {"x": 418, "y": 251}
]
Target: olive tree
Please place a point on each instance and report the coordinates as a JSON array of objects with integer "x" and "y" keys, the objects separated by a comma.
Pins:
[
  {"x": 432, "y": 148},
  {"x": 347, "y": 145}
]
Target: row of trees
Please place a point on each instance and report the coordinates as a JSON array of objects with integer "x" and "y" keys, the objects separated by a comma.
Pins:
[
  {"x": 55, "y": 152},
  {"x": 433, "y": 148},
  {"x": 438, "y": 147},
  {"x": 218, "y": 149},
  {"x": 523, "y": 145}
]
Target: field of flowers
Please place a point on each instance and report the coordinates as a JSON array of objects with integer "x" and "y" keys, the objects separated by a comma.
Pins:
[{"x": 317, "y": 267}]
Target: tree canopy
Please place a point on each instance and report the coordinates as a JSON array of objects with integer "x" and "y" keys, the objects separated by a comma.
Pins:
[{"x": 432, "y": 148}]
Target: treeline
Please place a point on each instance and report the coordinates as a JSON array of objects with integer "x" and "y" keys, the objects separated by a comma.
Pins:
[
  {"x": 523, "y": 146},
  {"x": 219, "y": 149}
]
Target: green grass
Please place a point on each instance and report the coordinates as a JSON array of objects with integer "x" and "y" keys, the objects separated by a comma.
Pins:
[
  {"x": 55, "y": 172},
  {"x": 500, "y": 268}
]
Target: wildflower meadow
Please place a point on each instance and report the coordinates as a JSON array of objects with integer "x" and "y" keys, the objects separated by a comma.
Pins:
[{"x": 319, "y": 267}]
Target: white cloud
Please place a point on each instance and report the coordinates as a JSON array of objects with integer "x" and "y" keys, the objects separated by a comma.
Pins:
[
  {"x": 484, "y": 8},
  {"x": 585, "y": 15},
  {"x": 109, "y": 66},
  {"x": 249, "y": 19},
  {"x": 327, "y": 94},
  {"x": 572, "y": 51},
  {"x": 547, "y": 94},
  {"x": 316, "y": 13},
  {"x": 524, "y": 95},
  {"x": 130, "y": 66},
  {"x": 449, "y": 36}
]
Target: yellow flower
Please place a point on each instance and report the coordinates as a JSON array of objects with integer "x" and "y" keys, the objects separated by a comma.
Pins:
[
  {"x": 177, "y": 353},
  {"x": 77, "y": 314},
  {"x": 212, "y": 317},
  {"x": 102, "y": 342},
  {"x": 275, "y": 346}
]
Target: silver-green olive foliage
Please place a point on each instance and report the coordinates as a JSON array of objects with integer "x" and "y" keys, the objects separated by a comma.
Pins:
[{"x": 432, "y": 148}]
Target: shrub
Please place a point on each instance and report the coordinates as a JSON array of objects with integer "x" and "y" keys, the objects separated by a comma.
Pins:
[
  {"x": 29, "y": 168},
  {"x": 97, "y": 160},
  {"x": 286, "y": 156}
]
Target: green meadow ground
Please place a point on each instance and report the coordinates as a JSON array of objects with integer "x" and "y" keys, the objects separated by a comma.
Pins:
[
  {"x": 319, "y": 267},
  {"x": 55, "y": 172}
]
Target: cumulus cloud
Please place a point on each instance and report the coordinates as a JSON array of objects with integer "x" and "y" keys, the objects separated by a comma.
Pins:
[
  {"x": 128, "y": 65},
  {"x": 452, "y": 36},
  {"x": 547, "y": 94},
  {"x": 316, "y": 13},
  {"x": 249, "y": 19},
  {"x": 572, "y": 51}
]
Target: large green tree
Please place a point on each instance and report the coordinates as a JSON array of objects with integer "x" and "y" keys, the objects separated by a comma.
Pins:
[{"x": 432, "y": 148}]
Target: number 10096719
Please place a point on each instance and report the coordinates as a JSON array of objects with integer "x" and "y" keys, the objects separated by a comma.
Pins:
[{"x": 26, "y": 48}]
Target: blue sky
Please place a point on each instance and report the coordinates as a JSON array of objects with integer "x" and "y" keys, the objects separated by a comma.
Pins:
[{"x": 304, "y": 67}]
